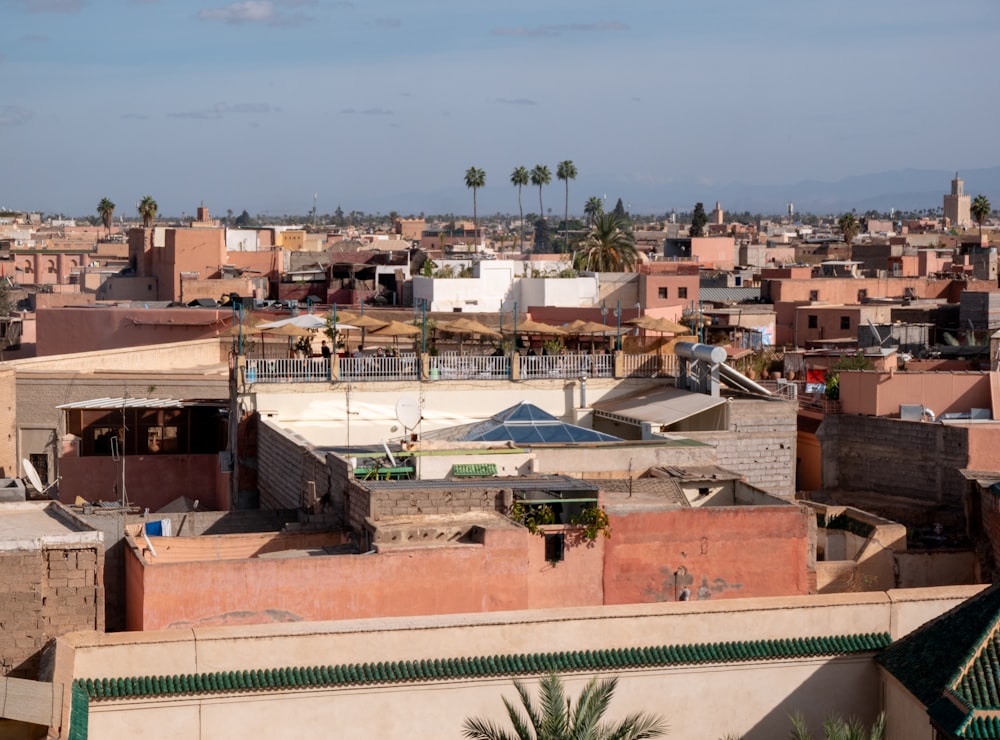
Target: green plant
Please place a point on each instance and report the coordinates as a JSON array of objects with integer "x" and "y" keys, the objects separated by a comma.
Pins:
[
  {"x": 553, "y": 346},
  {"x": 594, "y": 521},
  {"x": 856, "y": 361},
  {"x": 556, "y": 717},
  {"x": 532, "y": 516},
  {"x": 838, "y": 728}
]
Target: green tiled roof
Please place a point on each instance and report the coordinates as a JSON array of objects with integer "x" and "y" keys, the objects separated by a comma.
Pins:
[
  {"x": 486, "y": 666},
  {"x": 474, "y": 470},
  {"x": 952, "y": 665}
]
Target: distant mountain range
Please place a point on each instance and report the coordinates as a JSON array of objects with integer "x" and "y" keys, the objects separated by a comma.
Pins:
[{"x": 908, "y": 189}]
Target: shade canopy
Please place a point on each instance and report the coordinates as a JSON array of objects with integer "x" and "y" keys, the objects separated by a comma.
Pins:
[
  {"x": 587, "y": 327},
  {"x": 467, "y": 326},
  {"x": 362, "y": 321},
  {"x": 398, "y": 329},
  {"x": 529, "y": 326},
  {"x": 654, "y": 323}
]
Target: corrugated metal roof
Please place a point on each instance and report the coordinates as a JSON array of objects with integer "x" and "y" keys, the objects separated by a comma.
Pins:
[
  {"x": 726, "y": 295},
  {"x": 130, "y": 402}
]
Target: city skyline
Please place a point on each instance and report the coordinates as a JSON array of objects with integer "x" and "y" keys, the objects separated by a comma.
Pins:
[{"x": 259, "y": 105}]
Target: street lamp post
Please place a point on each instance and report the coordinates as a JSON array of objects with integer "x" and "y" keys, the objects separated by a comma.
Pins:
[{"x": 618, "y": 331}]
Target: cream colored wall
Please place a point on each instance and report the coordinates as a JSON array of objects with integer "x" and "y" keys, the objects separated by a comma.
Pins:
[
  {"x": 174, "y": 356},
  {"x": 757, "y": 698},
  {"x": 905, "y": 717},
  {"x": 319, "y": 413}
]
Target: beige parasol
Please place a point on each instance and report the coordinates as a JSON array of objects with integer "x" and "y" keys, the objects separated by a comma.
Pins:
[
  {"x": 654, "y": 323},
  {"x": 467, "y": 327}
]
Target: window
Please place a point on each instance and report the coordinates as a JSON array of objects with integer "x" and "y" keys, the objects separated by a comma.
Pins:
[
  {"x": 555, "y": 547},
  {"x": 813, "y": 321},
  {"x": 662, "y": 293},
  {"x": 862, "y": 295},
  {"x": 845, "y": 322},
  {"x": 813, "y": 295},
  {"x": 682, "y": 292}
]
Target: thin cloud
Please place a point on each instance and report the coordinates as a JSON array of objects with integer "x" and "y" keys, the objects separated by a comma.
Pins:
[
  {"x": 263, "y": 12},
  {"x": 388, "y": 22},
  {"x": 11, "y": 115},
  {"x": 34, "y": 38},
  {"x": 50, "y": 6},
  {"x": 366, "y": 112},
  {"x": 221, "y": 109},
  {"x": 135, "y": 116},
  {"x": 516, "y": 101},
  {"x": 561, "y": 29}
]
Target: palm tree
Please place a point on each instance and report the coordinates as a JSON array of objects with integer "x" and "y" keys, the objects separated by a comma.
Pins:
[
  {"x": 593, "y": 208},
  {"x": 557, "y": 719},
  {"x": 540, "y": 176},
  {"x": 106, "y": 210},
  {"x": 838, "y": 728},
  {"x": 519, "y": 178},
  {"x": 148, "y": 209},
  {"x": 849, "y": 227},
  {"x": 980, "y": 211},
  {"x": 608, "y": 247},
  {"x": 566, "y": 171},
  {"x": 475, "y": 178}
]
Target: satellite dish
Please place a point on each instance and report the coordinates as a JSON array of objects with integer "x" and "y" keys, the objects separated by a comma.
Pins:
[
  {"x": 32, "y": 476},
  {"x": 408, "y": 412}
]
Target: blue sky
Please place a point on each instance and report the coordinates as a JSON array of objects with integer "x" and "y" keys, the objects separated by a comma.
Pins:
[{"x": 380, "y": 105}]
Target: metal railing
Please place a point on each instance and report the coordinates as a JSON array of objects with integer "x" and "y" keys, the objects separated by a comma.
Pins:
[
  {"x": 289, "y": 370},
  {"x": 474, "y": 366},
  {"x": 404, "y": 367},
  {"x": 566, "y": 366}
]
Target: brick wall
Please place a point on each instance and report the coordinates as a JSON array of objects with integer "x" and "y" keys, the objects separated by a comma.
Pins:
[
  {"x": 894, "y": 457},
  {"x": 404, "y": 502},
  {"x": 286, "y": 464},
  {"x": 759, "y": 444},
  {"x": 45, "y": 593}
]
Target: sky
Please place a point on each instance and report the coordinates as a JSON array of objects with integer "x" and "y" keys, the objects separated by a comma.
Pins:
[{"x": 380, "y": 105}]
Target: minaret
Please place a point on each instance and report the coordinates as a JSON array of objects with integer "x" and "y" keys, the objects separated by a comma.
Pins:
[{"x": 957, "y": 205}]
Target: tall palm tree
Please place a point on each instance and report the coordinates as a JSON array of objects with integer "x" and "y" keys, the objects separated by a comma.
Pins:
[
  {"x": 849, "y": 227},
  {"x": 106, "y": 210},
  {"x": 566, "y": 171},
  {"x": 980, "y": 210},
  {"x": 519, "y": 178},
  {"x": 540, "y": 176},
  {"x": 475, "y": 178},
  {"x": 557, "y": 719},
  {"x": 593, "y": 208},
  {"x": 608, "y": 247},
  {"x": 148, "y": 210}
]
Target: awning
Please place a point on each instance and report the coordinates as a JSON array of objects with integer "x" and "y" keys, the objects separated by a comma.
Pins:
[{"x": 663, "y": 406}]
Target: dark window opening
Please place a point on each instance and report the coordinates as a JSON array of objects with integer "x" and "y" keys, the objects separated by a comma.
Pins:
[
  {"x": 555, "y": 547},
  {"x": 813, "y": 295},
  {"x": 682, "y": 292},
  {"x": 813, "y": 321},
  {"x": 845, "y": 322},
  {"x": 662, "y": 293}
]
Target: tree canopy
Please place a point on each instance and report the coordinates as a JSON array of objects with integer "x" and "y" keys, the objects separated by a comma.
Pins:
[
  {"x": 557, "y": 718},
  {"x": 849, "y": 227},
  {"x": 698, "y": 220},
  {"x": 608, "y": 247}
]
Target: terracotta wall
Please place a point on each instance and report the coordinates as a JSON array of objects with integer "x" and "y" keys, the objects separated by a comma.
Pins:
[
  {"x": 150, "y": 480},
  {"x": 718, "y": 553},
  {"x": 880, "y": 394},
  {"x": 507, "y": 572}
]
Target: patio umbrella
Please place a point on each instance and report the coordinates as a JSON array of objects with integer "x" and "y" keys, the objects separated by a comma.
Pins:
[
  {"x": 467, "y": 327},
  {"x": 655, "y": 323},
  {"x": 587, "y": 327},
  {"x": 529, "y": 326},
  {"x": 397, "y": 329},
  {"x": 363, "y": 322}
]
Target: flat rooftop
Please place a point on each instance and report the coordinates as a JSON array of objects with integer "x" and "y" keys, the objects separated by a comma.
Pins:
[{"x": 33, "y": 525}]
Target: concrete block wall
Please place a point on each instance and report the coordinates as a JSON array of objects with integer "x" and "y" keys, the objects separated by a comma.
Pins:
[
  {"x": 898, "y": 458},
  {"x": 403, "y": 502},
  {"x": 286, "y": 464},
  {"x": 759, "y": 444},
  {"x": 45, "y": 593}
]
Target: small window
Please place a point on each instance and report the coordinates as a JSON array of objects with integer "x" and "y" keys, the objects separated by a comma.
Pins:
[
  {"x": 845, "y": 322},
  {"x": 662, "y": 293},
  {"x": 682, "y": 292},
  {"x": 813, "y": 295},
  {"x": 813, "y": 321},
  {"x": 555, "y": 547},
  {"x": 862, "y": 294}
]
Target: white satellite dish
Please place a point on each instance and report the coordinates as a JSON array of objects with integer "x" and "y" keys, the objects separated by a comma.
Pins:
[
  {"x": 408, "y": 412},
  {"x": 32, "y": 475}
]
